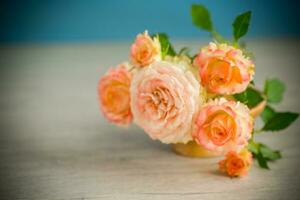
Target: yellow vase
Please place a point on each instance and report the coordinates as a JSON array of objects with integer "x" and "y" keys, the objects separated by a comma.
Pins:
[{"x": 192, "y": 149}]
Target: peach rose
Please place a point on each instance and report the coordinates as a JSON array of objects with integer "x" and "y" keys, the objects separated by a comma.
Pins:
[
  {"x": 145, "y": 50},
  {"x": 223, "y": 126},
  {"x": 165, "y": 100},
  {"x": 114, "y": 96},
  {"x": 236, "y": 164},
  {"x": 224, "y": 69}
]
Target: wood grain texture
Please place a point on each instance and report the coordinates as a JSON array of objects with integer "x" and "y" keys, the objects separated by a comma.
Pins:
[{"x": 56, "y": 145}]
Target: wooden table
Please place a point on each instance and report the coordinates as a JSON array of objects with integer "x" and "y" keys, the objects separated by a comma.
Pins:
[{"x": 56, "y": 145}]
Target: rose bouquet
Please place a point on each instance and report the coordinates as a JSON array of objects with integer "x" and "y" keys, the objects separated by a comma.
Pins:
[{"x": 205, "y": 104}]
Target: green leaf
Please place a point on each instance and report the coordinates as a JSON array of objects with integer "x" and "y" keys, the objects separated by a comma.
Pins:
[
  {"x": 268, "y": 153},
  {"x": 262, "y": 153},
  {"x": 250, "y": 97},
  {"x": 201, "y": 17},
  {"x": 267, "y": 114},
  {"x": 280, "y": 120},
  {"x": 241, "y": 25},
  {"x": 253, "y": 147},
  {"x": 166, "y": 46},
  {"x": 274, "y": 90},
  {"x": 261, "y": 160}
]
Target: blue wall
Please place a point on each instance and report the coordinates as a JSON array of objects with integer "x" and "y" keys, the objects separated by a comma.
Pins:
[{"x": 92, "y": 20}]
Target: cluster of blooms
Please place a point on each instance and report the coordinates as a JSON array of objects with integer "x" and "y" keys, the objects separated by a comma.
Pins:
[{"x": 176, "y": 99}]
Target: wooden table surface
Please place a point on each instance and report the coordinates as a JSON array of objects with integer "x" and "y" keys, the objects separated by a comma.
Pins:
[{"x": 56, "y": 145}]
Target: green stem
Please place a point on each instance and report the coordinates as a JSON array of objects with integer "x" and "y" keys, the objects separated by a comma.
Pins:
[
  {"x": 235, "y": 44},
  {"x": 217, "y": 36}
]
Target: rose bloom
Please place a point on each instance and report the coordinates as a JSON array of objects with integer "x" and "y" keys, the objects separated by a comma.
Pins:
[
  {"x": 224, "y": 69},
  {"x": 114, "y": 96},
  {"x": 223, "y": 126},
  {"x": 145, "y": 50},
  {"x": 165, "y": 99},
  {"x": 236, "y": 164}
]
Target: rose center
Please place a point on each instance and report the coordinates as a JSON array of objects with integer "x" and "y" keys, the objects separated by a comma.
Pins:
[
  {"x": 219, "y": 72},
  {"x": 236, "y": 163},
  {"x": 144, "y": 52},
  {"x": 160, "y": 103},
  {"x": 220, "y": 128},
  {"x": 116, "y": 99}
]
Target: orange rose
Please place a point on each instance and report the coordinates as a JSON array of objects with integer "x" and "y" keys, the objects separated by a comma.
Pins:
[
  {"x": 236, "y": 164},
  {"x": 223, "y": 126},
  {"x": 224, "y": 69},
  {"x": 145, "y": 50},
  {"x": 114, "y": 95}
]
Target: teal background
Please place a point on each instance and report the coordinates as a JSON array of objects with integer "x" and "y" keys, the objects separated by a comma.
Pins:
[{"x": 45, "y": 21}]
